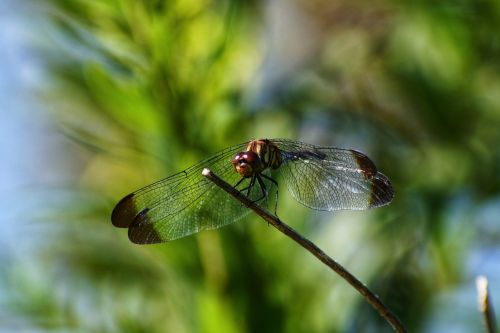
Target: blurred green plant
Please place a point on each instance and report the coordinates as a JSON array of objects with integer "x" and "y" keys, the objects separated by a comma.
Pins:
[{"x": 149, "y": 87}]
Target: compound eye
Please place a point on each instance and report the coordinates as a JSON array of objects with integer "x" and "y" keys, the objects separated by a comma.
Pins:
[
  {"x": 245, "y": 163},
  {"x": 246, "y": 157},
  {"x": 238, "y": 159},
  {"x": 250, "y": 157}
]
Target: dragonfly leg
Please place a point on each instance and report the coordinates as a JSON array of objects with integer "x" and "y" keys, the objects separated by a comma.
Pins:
[
  {"x": 249, "y": 188},
  {"x": 239, "y": 182},
  {"x": 276, "y": 195},
  {"x": 262, "y": 188}
]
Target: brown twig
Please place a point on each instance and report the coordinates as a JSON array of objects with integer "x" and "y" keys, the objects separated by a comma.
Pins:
[
  {"x": 485, "y": 306},
  {"x": 373, "y": 299}
]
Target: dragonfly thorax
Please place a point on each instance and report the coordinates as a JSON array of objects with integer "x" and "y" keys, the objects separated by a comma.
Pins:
[{"x": 267, "y": 151}]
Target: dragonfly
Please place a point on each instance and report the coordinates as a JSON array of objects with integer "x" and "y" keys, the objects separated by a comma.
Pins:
[{"x": 321, "y": 178}]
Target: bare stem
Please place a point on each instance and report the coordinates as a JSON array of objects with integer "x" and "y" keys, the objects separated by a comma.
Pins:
[
  {"x": 373, "y": 299},
  {"x": 485, "y": 304}
]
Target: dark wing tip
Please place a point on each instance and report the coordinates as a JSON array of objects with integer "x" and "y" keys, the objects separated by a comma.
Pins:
[
  {"x": 382, "y": 191},
  {"x": 365, "y": 164},
  {"x": 124, "y": 212},
  {"x": 142, "y": 230}
]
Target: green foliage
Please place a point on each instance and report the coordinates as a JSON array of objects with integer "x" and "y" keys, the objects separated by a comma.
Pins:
[{"x": 150, "y": 87}]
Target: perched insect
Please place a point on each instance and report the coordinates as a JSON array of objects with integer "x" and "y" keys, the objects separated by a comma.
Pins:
[{"x": 319, "y": 177}]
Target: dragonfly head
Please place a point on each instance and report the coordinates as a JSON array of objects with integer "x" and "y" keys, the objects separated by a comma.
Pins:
[{"x": 247, "y": 163}]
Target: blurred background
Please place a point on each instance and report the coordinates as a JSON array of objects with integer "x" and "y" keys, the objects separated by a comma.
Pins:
[{"x": 100, "y": 98}]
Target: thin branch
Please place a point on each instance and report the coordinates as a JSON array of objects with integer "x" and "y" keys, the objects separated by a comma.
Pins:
[
  {"x": 485, "y": 306},
  {"x": 371, "y": 298}
]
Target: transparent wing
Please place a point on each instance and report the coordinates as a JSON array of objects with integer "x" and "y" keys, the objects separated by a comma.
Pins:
[
  {"x": 185, "y": 203},
  {"x": 332, "y": 179}
]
